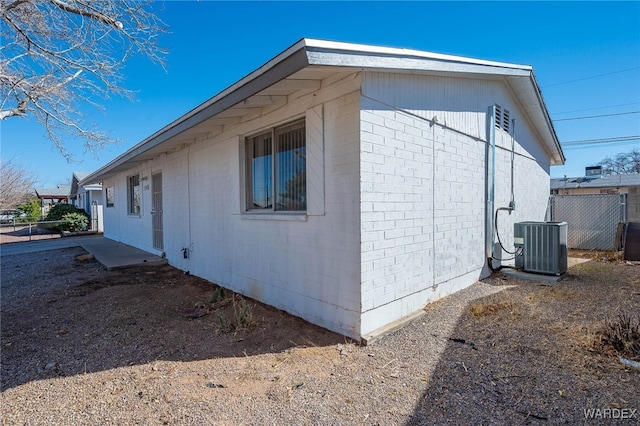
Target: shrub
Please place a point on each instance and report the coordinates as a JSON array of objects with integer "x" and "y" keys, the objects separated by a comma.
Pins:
[
  {"x": 31, "y": 211},
  {"x": 73, "y": 222},
  {"x": 243, "y": 315},
  {"x": 59, "y": 210}
]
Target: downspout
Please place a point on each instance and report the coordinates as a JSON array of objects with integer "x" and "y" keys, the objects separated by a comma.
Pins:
[
  {"x": 490, "y": 187},
  {"x": 492, "y": 220},
  {"x": 512, "y": 203}
]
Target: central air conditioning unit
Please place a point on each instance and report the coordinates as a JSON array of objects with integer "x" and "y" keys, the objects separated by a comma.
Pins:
[{"x": 541, "y": 247}]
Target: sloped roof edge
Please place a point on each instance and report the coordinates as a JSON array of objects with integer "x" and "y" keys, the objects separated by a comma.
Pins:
[
  {"x": 59, "y": 192},
  {"x": 308, "y": 52}
]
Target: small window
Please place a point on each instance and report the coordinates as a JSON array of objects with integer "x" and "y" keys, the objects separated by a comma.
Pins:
[
  {"x": 110, "y": 196},
  {"x": 276, "y": 169},
  {"x": 133, "y": 194}
]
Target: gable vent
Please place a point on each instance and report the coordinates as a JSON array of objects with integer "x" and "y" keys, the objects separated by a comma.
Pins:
[
  {"x": 505, "y": 120},
  {"x": 502, "y": 118}
]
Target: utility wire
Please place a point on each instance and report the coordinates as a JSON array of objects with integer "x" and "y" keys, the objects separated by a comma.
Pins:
[
  {"x": 595, "y": 108},
  {"x": 596, "y": 116},
  {"x": 589, "y": 78},
  {"x": 601, "y": 140},
  {"x": 608, "y": 145}
]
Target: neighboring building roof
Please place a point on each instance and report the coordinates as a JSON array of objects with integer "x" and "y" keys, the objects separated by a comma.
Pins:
[
  {"x": 612, "y": 181},
  {"x": 80, "y": 175},
  {"x": 303, "y": 66},
  {"x": 61, "y": 191},
  {"x": 76, "y": 178}
]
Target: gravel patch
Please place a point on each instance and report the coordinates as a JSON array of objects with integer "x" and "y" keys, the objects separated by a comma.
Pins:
[{"x": 83, "y": 345}]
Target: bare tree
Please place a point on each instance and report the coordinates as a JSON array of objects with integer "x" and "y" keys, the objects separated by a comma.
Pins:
[
  {"x": 622, "y": 163},
  {"x": 59, "y": 54},
  {"x": 15, "y": 185}
]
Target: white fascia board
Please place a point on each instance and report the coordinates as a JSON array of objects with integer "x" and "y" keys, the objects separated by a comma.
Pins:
[
  {"x": 394, "y": 63},
  {"x": 553, "y": 136},
  {"x": 367, "y": 50},
  {"x": 530, "y": 97}
]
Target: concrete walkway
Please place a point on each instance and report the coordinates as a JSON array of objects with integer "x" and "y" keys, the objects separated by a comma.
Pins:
[{"x": 111, "y": 254}]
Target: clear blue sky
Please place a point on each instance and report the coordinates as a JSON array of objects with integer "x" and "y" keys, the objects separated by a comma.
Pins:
[{"x": 214, "y": 44}]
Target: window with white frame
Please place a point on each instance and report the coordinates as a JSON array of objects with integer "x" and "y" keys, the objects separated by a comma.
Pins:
[
  {"x": 276, "y": 169},
  {"x": 110, "y": 196},
  {"x": 134, "y": 192}
]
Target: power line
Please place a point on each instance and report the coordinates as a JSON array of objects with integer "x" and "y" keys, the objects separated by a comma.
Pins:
[
  {"x": 590, "y": 77},
  {"x": 601, "y": 141},
  {"x": 596, "y": 116},
  {"x": 608, "y": 145},
  {"x": 595, "y": 108}
]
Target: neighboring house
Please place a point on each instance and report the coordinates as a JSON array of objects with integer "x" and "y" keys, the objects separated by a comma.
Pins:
[
  {"x": 84, "y": 196},
  {"x": 89, "y": 198},
  {"x": 347, "y": 184},
  {"x": 51, "y": 196},
  {"x": 594, "y": 183}
]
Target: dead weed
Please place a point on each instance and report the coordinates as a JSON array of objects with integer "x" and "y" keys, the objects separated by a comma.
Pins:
[{"x": 619, "y": 335}]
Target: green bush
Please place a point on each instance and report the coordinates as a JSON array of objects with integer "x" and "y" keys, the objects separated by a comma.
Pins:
[
  {"x": 59, "y": 210},
  {"x": 77, "y": 219},
  {"x": 73, "y": 222},
  {"x": 32, "y": 211}
]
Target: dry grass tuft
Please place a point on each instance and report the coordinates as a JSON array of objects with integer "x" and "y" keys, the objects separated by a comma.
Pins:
[
  {"x": 598, "y": 255},
  {"x": 620, "y": 335},
  {"x": 491, "y": 306}
]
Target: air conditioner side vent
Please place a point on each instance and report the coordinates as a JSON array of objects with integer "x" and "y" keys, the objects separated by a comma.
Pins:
[{"x": 542, "y": 247}]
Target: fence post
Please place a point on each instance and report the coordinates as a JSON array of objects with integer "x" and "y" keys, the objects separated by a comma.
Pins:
[{"x": 623, "y": 208}]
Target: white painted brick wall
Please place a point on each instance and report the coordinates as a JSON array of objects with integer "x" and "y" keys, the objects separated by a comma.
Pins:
[
  {"x": 309, "y": 268},
  {"x": 403, "y": 220},
  {"x": 423, "y": 192}
]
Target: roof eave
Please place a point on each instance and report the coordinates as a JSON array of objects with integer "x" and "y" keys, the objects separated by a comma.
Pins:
[
  {"x": 308, "y": 52},
  {"x": 288, "y": 62}
]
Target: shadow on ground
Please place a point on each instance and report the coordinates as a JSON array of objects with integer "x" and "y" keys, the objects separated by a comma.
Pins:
[
  {"x": 526, "y": 355},
  {"x": 63, "y": 317}
]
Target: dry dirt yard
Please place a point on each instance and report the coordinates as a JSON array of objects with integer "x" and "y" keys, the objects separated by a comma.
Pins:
[
  {"x": 20, "y": 233},
  {"x": 83, "y": 345}
]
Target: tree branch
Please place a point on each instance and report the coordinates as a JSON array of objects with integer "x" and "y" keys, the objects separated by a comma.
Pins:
[
  {"x": 21, "y": 110},
  {"x": 60, "y": 54},
  {"x": 10, "y": 6},
  {"x": 93, "y": 14}
]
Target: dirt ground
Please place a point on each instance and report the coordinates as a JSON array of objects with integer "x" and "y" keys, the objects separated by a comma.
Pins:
[
  {"x": 151, "y": 345},
  {"x": 20, "y": 233}
]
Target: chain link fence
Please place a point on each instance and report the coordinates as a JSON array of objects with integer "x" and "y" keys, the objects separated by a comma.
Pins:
[{"x": 593, "y": 219}]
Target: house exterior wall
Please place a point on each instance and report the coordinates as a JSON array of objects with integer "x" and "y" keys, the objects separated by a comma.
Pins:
[
  {"x": 85, "y": 198},
  {"x": 308, "y": 264},
  {"x": 423, "y": 188},
  {"x": 396, "y": 214}
]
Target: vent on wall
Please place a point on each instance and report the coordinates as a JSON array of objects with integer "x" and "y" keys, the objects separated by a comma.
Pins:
[
  {"x": 505, "y": 120},
  {"x": 502, "y": 118}
]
